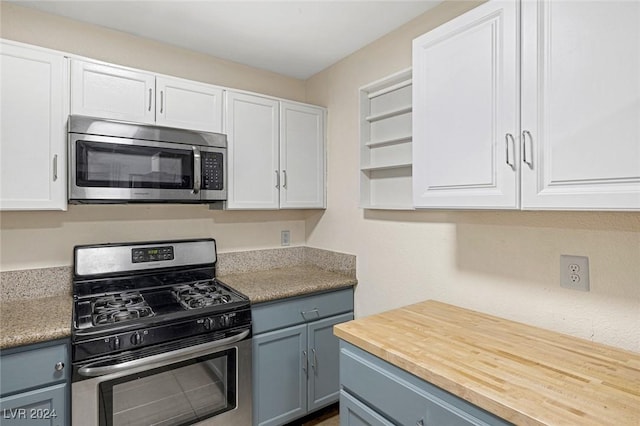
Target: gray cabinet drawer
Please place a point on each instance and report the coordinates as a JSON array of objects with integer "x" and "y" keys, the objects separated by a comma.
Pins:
[
  {"x": 288, "y": 312},
  {"x": 355, "y": 413},
  {"x": 402, "y": 397},
  {"x": 31, "y": 368}
]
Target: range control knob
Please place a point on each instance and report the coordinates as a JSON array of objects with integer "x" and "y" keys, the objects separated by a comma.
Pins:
[
  {"x": 115, "y": 343},
  {"x": 136, "y": 338},
  {"x": 225, "y": 320},
  {"x": 208, "y": 324}
]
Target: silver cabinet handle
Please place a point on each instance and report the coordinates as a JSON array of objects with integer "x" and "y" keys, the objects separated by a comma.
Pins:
[
  {"x": 55, "y": 167},
  {"x": 150, "y": 98},
  {"x": 314, "y": 361},
  {"x": 315, "y": 311},
  {"x": 304, "y": 363},
  {"x": 509, "y": 139},
  {"x": 161, "y": 101},
  {"x": 59, "y": 366},
  {"x": 284, "y": 179},
  {"x": 197, "y": 170},
  {"x": 277, "y": 179},
  {"x": 525, "y": 158},
  {"x": 420, "y": 422}
]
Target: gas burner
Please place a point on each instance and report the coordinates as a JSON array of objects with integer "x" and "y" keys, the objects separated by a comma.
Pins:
[
  {"x": 119, "y": 307},
  {"x": 200, "y": 294}
]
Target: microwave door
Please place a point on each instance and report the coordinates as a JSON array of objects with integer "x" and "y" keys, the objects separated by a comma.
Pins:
[{"x": 107, "y": 169}]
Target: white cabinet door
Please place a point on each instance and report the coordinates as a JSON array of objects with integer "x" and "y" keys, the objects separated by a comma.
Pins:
[
  {"x": 465, "y": 116},
  {"x": 581, "y": 105},
  {"x": 302, "y": 151},
  {"x": 189, "y": 105},
  {"x": 33, "y": 115},
  {"x": 110, "y": 92},
  {"x": 251, "y": 125}
]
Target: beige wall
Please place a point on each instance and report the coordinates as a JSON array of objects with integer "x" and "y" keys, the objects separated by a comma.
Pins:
[
  {"x": 43, "y": 239},
  {"x": 502, "y": 263}
]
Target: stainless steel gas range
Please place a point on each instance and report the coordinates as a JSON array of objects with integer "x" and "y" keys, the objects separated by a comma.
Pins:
[{"x": 156, "y": 339}]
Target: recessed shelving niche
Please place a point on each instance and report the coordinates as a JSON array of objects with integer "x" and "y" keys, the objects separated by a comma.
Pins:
[{"x": 385, "y": 143}]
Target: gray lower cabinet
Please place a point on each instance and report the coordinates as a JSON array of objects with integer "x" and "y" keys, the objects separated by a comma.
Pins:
[
  {"x": 376, "y": 393},
  {"x": 296, "y": 356},
  {"x": 35, "y": 385}
]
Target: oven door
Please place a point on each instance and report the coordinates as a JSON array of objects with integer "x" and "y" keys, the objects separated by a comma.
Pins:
[
  {"x": 110, "y": 169},
  {"x": 207, "y": 384}
]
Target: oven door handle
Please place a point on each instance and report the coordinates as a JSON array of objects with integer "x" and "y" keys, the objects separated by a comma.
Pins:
[{"x": 164, "y": 358}]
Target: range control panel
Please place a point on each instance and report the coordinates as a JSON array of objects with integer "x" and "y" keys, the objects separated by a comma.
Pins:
[
  {"x": 212, "y": 171},
  {"x": 151, "y": 254}
]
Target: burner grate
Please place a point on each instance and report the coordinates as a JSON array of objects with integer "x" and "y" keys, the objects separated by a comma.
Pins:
[
  {"x": 200, "y": 294},
  {"x": 119, "y": 307}
]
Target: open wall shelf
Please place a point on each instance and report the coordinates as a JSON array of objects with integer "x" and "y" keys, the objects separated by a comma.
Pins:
[{"x": 385, "y": 143}]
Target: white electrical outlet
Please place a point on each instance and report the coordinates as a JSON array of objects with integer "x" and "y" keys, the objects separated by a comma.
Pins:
[
  {"x": 574, "y": 272},
  {"x": 285, "y": 238}
]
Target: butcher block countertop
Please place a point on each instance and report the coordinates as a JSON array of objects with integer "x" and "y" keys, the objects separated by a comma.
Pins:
[{"x": 524, "y": 374}]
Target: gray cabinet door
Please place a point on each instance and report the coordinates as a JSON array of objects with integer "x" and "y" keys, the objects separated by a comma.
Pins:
[
  {"x": 40, "y": 407},
  {"x": 280, "y": 375},
  {"x": 324, "y": 360}
]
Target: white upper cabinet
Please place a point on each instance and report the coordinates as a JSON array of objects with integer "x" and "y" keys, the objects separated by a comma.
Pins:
[
  {"x": 581, "y": 105},
  {"x": 252, "y": 128},
  {"x": 302, "y": 156},
  {"x": 117, "y": 93},
  {"x": 276, "y": 153},
  {"x": 188, "y": 104},
  {"x": 546, "y": 116},
  {"x": 33, "y": 113},
  {"x": 465, "y": 111},
  {"x": 109, "y": 92}
]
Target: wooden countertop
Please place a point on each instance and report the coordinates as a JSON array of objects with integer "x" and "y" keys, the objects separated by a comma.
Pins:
[{"x": 524, "y": 374}]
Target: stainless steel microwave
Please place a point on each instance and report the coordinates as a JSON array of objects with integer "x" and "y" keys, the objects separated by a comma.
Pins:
[{"x": 118, "y": 162}]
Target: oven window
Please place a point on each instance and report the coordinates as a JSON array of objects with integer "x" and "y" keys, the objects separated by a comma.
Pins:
[
  {"x": 109, "y": 165},
  {"x": 178, "y": 394}
]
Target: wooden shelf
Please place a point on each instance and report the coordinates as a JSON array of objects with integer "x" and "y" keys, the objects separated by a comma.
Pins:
[
  {"x": 390, "y": 89},
  {"x": 392, "y": 141},
  {"x": 388, "y": 114},
  {"x": 386, "y": 167}
]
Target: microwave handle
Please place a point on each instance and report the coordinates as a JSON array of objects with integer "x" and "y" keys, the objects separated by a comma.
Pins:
[{"x": 197, "y": 169}]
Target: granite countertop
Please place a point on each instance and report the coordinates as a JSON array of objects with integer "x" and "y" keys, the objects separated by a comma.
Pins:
[
  {"x": 27, "y": 321},
  {"x": 521, "y": 373},
  {"x": 273, "y": 284}
]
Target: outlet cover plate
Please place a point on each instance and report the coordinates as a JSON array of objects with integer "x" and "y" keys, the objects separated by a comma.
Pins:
[
  {"x": 574, "y": 272},
  {"x": 285, "y": 238}
]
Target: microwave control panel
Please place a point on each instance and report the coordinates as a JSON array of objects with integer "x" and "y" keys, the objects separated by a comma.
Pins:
[{"x": 212, "y": 171}]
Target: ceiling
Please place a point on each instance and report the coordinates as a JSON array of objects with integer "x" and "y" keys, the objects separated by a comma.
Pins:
[{"x": 297, "y": 38}]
